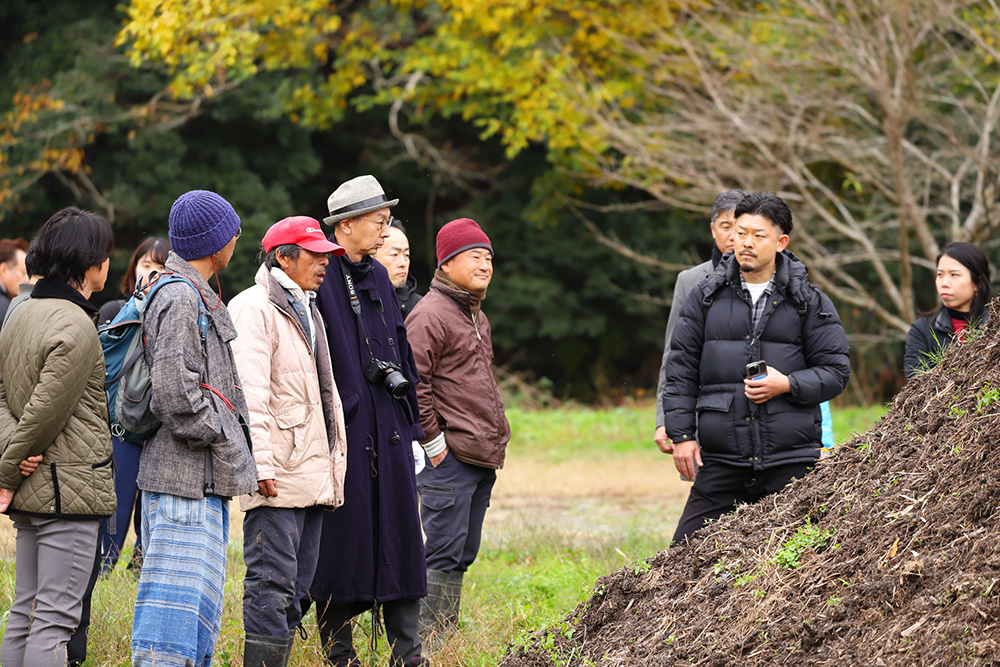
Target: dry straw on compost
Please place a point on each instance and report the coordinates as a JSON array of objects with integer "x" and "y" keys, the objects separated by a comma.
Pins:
[{"x": 887, "y": 554}]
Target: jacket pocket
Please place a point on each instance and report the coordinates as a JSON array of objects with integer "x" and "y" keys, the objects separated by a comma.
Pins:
[
  {"x": 437, "y": 498},
  {"x": 106, "y": 462},
  {"x": 350, "y": 407},
  {"x": 798, "y": 425},
  {"x": 292, "y": 445},
  {"x": 715, "y": 421}
]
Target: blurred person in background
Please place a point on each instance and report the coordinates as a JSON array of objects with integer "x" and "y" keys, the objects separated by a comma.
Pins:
[
  {"x": 394, "y": 255},
  {"x": 964, "y": 289},
  {"x": 12, "y": 271},
  {"x": 25, "y": 288},
  {"x": 720, "y": 226},
  {"x": 52, "y": 402}
]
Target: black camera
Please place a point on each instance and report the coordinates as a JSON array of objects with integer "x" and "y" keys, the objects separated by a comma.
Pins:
[{"x": 389, "y": 375}]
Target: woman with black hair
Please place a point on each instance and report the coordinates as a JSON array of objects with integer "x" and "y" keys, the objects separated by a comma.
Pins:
[
  {"x": 52, "y": 403},
  {"x": 963, "y": 285},
  {"x": 147, "y": 260}
]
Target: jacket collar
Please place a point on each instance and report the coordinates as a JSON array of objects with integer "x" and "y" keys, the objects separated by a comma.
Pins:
[
  {"x": 213, "y": 304},
  {"x": 790, "y": 276},
  {"x": 47, "y": 288},
  {"x": 463, "y": 299},
  {"x": 404, "y": 292},
  {"x": 942, "y": 321},
  {"x": 304, "y": 297}
]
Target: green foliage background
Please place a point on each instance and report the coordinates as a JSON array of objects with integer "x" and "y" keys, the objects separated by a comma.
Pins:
[{"x": 555, "y": 308}]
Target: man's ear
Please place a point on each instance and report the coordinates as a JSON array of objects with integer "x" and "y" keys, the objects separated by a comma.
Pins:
[
  {"x": 783, "y": 242},
  {"x": 446, "y": 267}
]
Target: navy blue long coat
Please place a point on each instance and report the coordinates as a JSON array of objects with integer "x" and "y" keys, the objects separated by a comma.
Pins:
[{"x": 372, "y": 549}]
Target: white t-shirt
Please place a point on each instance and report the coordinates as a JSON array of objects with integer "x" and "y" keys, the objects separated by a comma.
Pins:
[{"x": 756, "y": 289}]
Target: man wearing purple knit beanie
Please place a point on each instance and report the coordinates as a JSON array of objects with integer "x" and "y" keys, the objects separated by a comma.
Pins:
[
  {"x": 462, "y": 416},
  {"x": 200, "y": 456}
]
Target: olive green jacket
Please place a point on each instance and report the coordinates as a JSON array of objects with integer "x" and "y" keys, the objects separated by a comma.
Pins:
[{"x": 52, "y": 402}]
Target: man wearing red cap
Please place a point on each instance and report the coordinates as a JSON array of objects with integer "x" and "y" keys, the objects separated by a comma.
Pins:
[
  {"x": 462, "y": 415},
  {"x": 297, "y": 427}
]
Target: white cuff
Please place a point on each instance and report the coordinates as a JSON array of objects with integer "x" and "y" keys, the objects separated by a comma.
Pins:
[{"x": 435, "y": 446}]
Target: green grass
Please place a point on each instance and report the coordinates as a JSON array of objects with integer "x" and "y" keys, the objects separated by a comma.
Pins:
[
  {"x": 528, "y": 575},
  {"x": 574, "y": 433}
]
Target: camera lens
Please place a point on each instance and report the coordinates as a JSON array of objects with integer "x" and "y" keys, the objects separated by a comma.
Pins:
[{"x": 397, "y": 384}]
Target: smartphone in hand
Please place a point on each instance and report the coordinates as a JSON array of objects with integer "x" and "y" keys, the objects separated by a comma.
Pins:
[{"x": 756, "y": 370}]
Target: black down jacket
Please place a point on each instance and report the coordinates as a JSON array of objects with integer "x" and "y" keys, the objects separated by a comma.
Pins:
[{"x": 799, "y": 334}]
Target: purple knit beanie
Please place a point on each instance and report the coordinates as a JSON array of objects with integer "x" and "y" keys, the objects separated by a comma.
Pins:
[
  {"x": 458, "y": 236},
  {"x": 201, "y": 224}
]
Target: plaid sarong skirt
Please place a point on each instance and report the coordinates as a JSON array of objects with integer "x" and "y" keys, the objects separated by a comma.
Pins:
[{"x": 178, "y": 609}]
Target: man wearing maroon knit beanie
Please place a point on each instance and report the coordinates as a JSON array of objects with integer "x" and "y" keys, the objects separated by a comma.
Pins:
[{"x": 462, "y": 415}]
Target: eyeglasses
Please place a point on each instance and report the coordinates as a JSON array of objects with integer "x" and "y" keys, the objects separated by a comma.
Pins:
[{"x": 382, "y": 224}]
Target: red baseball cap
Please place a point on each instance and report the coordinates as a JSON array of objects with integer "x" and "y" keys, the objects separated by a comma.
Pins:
[{"x": 300, "y": 230}]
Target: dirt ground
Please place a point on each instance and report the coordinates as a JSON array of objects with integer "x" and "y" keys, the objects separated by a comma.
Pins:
[
  {"x": 889, "y": 554},
  {"x": 588, "y": 497}
]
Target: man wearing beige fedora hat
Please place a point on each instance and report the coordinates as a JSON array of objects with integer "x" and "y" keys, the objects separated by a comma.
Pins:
[{"x": 371, "y": 550}]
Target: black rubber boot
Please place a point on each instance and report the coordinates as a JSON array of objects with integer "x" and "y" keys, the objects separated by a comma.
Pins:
[
  {"x": 402, "y": 621},
  {"x": 453, "y": 600},
  {"x": 265, "y": 651},
  {"x": 439, "y": 611},
  {"x": 432, "y": 608}
]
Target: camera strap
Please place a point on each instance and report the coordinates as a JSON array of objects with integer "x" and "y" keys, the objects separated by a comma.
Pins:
[{"x": 352, "y": 292}]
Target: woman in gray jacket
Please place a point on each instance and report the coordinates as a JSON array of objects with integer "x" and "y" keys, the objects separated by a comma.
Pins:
[{"x": 52, "y": 403}]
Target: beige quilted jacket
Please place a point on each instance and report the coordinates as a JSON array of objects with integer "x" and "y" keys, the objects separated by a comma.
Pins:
[
  {"x": 52, "y": 402},
  {"x": 296, "y": 415}
]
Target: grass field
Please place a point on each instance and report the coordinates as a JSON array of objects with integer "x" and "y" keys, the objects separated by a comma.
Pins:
[{"x": 583, "y": 493}]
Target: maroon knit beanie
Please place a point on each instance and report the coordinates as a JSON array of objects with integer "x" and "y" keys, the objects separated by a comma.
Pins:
[{"x": 458, "y": 236}]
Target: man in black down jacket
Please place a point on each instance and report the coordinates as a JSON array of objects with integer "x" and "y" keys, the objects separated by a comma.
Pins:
[{"x": 756, "y": 434}]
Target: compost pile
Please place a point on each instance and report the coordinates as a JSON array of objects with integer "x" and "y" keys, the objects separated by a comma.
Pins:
[{"x": 887, "y": 554}]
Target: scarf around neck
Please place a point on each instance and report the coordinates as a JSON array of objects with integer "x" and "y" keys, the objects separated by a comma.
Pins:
[{"x": 475, "y": 298}]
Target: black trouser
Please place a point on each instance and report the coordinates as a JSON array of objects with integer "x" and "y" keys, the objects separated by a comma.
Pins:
[
  {"x": 719, "y": 488},
  {"x": 401, "y": 619},
  {"x": 453, "y": 501}
]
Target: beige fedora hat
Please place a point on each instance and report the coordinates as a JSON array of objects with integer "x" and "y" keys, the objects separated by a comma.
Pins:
[{"x": 356, "y": 197}]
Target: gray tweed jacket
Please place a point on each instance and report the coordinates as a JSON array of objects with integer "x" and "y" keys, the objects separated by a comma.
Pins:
[{"x": 200, "y": 424}]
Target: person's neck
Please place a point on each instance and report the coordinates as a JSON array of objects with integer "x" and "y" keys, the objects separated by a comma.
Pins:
[
  {"x": 204, "y": 266},
  {"x": 759, "y": 276},
  {"x": 353, "y": 254}
]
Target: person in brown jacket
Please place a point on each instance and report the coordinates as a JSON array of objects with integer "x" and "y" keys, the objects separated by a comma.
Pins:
[{"x": 462, "y": 414}]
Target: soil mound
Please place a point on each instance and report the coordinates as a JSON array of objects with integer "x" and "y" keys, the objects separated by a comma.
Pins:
[{"x": 887, "y": 554}]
